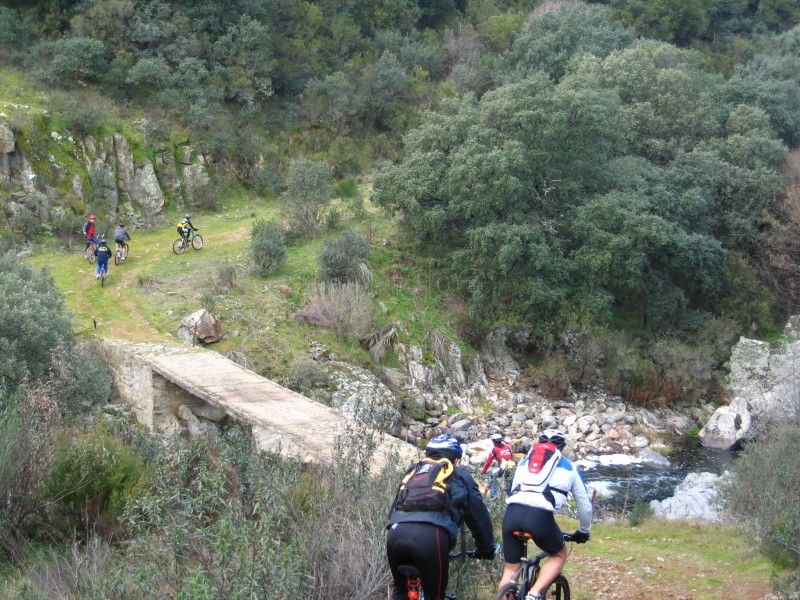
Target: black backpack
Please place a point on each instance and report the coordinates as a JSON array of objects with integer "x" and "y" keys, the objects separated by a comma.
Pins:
[{"x": 424, "y": 486}]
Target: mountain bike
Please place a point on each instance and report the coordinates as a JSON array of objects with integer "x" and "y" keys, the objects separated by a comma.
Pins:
[
  {"x": 195, "y": 239},
  {"x": 558, "y": 590},
  {"x": 88, "y": 254},
  {"x": 121, "y": 253}
]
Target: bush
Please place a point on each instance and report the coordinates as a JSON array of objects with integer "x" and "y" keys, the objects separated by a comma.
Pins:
[
  {"x": 761, "y": 494},
  {"x": 347, "y": 188},
  {"x": 345, "y": 308},
  {"x": 341, "y": 259},
  {"x": 267, "y": 246},
  {"x": 306, "y": 376},
  {"x": 33, "y": 323},
  {"x": 79, "y": 378},
  {"x": 205, "y": 197},
  {"x": 208, "y": 301},
  {"x": 333, "y": 220},
  {"x": 640, "y": 512},
  {"x": 224, "y": 277},
  {"x": 94, "y": 474},
  {"x": 309, "y": 189}
]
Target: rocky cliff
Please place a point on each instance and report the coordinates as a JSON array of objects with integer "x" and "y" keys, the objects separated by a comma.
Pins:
[{"x": 55, "y": 176}]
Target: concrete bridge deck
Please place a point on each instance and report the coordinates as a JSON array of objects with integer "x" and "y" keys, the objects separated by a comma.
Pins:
[{"x": 157, "y": 379}]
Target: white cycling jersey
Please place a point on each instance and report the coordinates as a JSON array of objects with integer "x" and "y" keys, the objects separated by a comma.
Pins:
[{"x": 565, "y": 479}]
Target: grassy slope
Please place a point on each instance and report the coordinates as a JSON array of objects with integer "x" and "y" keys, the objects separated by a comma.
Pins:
[{"x": 146, "y": 297}]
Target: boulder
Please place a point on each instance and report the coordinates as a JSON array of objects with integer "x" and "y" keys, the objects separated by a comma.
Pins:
[
  {"x": 497, "y": 359},
  {"x": 194, "y": 178},
  {"x": 200, "y": 325},
  {"x": 728, "y": 426},
  {"x": 146, "y": 190},
  {"x": 693, "y": 500},
  {"x": 124, "y": 164}
]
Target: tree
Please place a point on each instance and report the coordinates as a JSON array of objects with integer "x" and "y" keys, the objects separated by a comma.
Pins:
[
  {"x": 553, "y": 38},
  {"x": 268, "y": 247},
  {"x": 309, "y": 189},
  {"x": 68, "y": 61}
]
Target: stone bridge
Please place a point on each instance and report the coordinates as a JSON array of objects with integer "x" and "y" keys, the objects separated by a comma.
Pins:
[{"x": 173, "y": 387}]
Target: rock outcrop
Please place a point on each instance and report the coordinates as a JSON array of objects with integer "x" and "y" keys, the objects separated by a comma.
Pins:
[
  {"x": 693, "y": 500},
  {"x": 103, "y": 175},
  {"x": 765, "y": 386}
]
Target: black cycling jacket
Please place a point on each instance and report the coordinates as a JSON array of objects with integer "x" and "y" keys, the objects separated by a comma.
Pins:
[{"x": 465, "y": 504}]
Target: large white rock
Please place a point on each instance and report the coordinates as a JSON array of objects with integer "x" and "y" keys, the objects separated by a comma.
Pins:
[
  {"x": 7, "y": 142},
  {"x": 146, "y": 189},
  {"x": 693, "y": 500}
]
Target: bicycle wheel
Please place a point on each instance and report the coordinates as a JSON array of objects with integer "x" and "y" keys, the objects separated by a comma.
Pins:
[
  {"x": 102, "y": 278},
  {"x": 558, "y": 590},
  {"x": 89, "y": 255},
  {"x": 117, "y": 257},
  {"x": 178, "y": 246},
  {"x": 509, "y": 591},
  {"x": 197, "y": 242}
]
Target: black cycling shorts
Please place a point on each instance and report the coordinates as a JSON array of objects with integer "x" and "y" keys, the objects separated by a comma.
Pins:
[
  {"x": 539, "y": 522},
  {"x": 424, "y": 546}
]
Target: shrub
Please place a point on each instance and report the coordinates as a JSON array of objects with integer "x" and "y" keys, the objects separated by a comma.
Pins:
[
  {"x": 340, "y": 260},
  {"x": 79, "y": 379},
  {"x": 204, "y": 196},
  {"x": 307, "y": 375},
  {"x": 27, "y": 430},
  {"x": 66, "y": 229},
  {"x": 309, "y": 189},
  {"x": 264, "y": 181},
  {"x": 33, "y": 323},
  {"x": 333, "y": 220},
  {"x": 208, "y": 301},
  {"x": 347, "y": 188},
  {"x": 640, "y": 512},
  {"x": 761, "y": 494},
  {"x": 224, "y": 276},
  {"x": 345, "y": 308},
  {"x": 94, "y": 474},
  {"x": 268, "y": 246}
]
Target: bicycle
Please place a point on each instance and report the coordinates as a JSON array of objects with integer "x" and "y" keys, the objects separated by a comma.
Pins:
[
  {"x": 558, "y": 590},
  {"x": 195, "y": 239},
  {"x": 121, "y": 253},
  {"x": 414, "y": 577},
  {"x": 88, "y": 254},
  {"x": 102, "y": 278}
]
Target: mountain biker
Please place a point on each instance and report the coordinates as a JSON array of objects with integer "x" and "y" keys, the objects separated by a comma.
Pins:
[
  {"x": 121, "y": 235},
  {"x": 102, "y": 252},
  {"x": 502, "y": 453},
  {"x": 185, "y": 226},
  {"x": 89, "y": 230},
  {"x": 532, "y": 511},
  {"x": 424, "y": 538}
]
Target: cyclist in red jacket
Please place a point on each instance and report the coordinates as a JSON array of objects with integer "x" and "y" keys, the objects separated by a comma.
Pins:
[{"x": 502, "y": 453}]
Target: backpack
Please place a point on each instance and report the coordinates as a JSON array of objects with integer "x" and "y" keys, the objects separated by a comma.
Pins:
[
  {"x": 424, "y": 486},
  {"x": 535, "y": 473}
]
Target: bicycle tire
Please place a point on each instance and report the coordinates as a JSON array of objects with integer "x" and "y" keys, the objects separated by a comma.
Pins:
[
  {"x": 178, "y": 247},
  {"x": 509, "y": 591},
  {"x": 103, "y": 278},
  {"x": 117, "y": 258},
  {"x": 197, "y": 242},
  {"x": 89, "y": 256},
  {"x": 558, "y": 590}
]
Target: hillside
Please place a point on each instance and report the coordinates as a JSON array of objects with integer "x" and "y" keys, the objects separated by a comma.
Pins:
[{"x": 492, "y": 207}]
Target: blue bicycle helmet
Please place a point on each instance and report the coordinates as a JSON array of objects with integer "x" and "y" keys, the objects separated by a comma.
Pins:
[
  {"x": 555, "y": 437},
  {"x": 445, "y": 446}
]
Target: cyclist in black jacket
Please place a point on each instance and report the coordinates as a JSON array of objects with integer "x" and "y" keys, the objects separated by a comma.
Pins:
[{"x": 424, "y": 538}]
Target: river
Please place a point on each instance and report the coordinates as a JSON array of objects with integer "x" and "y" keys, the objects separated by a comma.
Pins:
[{"x": 618, "y": 487}]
